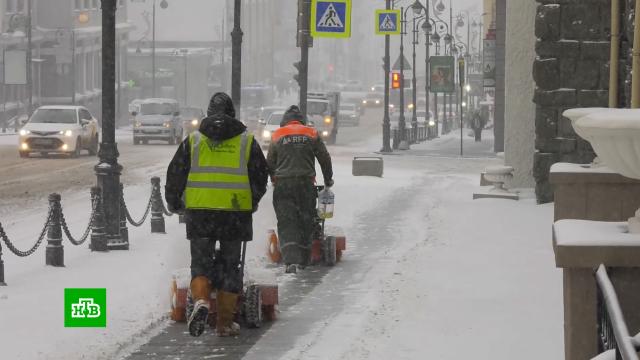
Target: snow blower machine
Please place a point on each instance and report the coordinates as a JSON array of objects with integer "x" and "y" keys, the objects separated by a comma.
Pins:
[
  {"x": 327, "y": 244},
  {"x": 257, "y": 303}
]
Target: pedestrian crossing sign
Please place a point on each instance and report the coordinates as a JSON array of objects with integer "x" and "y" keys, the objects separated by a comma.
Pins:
[
  {"x": 331, "y": 18},
  {"x": 388, "y": 22}
]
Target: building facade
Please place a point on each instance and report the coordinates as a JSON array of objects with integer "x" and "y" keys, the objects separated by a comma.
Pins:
[{"x": 66, "y": 52}]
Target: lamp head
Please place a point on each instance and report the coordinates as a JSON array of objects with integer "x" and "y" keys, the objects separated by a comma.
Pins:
[
  {"x": 416, "y": 7},
  {"x": 426, "y": 27}
]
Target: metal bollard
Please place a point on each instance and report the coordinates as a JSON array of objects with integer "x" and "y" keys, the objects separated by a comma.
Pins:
[
  {"x": 2, "y": 283},
  {"x": 54, "y": 255},
  {"x": 157, "y": 216},
  {"x": 98, "y": 235},
  {"x": 124, "y": 231}
]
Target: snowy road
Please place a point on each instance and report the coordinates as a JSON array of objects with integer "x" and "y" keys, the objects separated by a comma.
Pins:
[{"x": 426, "y": 268}]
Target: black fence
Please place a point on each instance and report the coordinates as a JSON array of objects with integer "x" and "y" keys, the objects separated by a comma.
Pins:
[
  {"x": 612, "y": 329},
  {"x": 55, "y": 227}
]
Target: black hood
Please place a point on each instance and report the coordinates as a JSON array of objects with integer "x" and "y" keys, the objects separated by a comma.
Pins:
[
  {"x": 220, "y": 124},
  {"x": 220, "y": 127}
]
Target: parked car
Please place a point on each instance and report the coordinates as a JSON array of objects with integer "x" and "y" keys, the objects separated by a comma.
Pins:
[
  {"x": 191, "y": 118},
  {"x": 269, "y": 126},
  {"x": 349, "y": 114},
  {"x": 158, "y": 119},
  {"x": 59, "y": 129}
]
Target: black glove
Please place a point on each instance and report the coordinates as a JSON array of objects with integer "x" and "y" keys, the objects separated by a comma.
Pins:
[
  {"x": 176, "y": 208},
  {"x": 328, "y": 183}
]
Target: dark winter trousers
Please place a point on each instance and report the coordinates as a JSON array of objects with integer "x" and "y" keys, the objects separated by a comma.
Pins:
[
  {"x": 478, "y": 133},
  {"x": 294, "y": 200},
  {"x": 221, "y": 267}
]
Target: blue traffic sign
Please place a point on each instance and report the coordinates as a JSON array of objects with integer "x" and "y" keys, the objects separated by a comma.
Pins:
[
  {"x": 331, "y": 18},
  {"x": 387, "y": 22}
]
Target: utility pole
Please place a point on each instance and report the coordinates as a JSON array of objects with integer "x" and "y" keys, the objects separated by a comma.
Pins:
[
  {"x": 386, "y": 121},
  {"x": 303, "y": 36},
  {"x": 153, "y": 52},
  {"x": 236, "y": 57},
  {"x": 108, "y": 170},
  {"x": 461, "y": 73},
  {"x": 29, "y": 58}
]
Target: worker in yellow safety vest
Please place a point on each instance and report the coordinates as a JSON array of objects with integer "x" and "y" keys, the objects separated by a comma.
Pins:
[{"x": 217, "y": 178}]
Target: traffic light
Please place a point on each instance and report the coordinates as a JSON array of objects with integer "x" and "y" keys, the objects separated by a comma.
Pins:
[{"x": 396, "y": 80}]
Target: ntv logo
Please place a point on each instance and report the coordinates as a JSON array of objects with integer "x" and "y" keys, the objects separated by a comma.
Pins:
[{"x": 85, "y": 307}]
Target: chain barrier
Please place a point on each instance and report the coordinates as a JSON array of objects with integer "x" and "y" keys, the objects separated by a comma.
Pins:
[
  {"x": 128, "y": 214},
  {"x": 87, "y": 230},
  {"x": 15, "y": 250}
]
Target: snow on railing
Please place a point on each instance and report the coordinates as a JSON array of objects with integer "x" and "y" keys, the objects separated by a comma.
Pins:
[
  {"x": 615, "y": 341},
  {"x": 56, "y": 225}
]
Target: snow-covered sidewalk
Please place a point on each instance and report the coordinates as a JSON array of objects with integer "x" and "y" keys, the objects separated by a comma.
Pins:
[
  {"x": 428, "y": 274},
  {"x": 434, "y": 274}
]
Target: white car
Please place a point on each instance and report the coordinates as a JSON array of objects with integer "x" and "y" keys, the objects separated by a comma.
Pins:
[
  {"x": 59, "y": 129},
  {"x": 271, "y": 124},
  {"x": 349, "y": 115}
]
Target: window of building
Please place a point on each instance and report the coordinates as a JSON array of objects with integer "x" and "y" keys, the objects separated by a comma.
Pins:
[
  {"x": 96, "y": 4},
  {"x": 20, "y": 6},
  {"x": 79, "y": 4}
]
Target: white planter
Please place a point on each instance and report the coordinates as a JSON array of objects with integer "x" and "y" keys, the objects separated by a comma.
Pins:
[{"x": 615, "y": 137}]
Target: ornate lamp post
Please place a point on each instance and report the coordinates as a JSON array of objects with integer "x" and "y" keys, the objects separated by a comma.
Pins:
[
  {"x": 417, "y": 10},
  {"x": 414, "y": 81},
  {"x": 386, "y": 121},
  {"x": 435, "y": 38},
  {"x": 108, "y": 170},
  {"x": 427, "y": 28}
]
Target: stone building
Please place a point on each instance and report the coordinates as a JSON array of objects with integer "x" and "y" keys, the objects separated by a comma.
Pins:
[
  {"x": 13, "y": 36},
  {"x": 571, "y": 70},
  {"x": 66, "y": 51}
]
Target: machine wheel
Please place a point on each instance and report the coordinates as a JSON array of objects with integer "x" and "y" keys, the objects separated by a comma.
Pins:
[
  {"x": 93, "y": 149},
  {"x": 145, "y": 142},
  {"x": 136, "y": 141},
  {"x": 329, "y": 251},
  {"x": 172, "y": 139},
  {"x": 253, "y": 306},
  {"x": 24, "y": 154},
  {"x": 76, "y": 151}
]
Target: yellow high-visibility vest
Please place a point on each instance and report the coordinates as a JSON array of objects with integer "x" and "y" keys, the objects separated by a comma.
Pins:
[{"x": 219, "y": 177}]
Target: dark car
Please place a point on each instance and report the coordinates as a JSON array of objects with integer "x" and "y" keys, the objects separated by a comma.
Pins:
[{"x": 191, "y": 118}]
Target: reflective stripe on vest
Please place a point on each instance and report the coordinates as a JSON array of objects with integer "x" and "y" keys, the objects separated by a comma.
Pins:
[{"x": 219, "y": 177}]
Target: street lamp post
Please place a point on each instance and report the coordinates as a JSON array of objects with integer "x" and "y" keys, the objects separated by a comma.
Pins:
[
  {"x": 163, "y": 4},
  {"x": 236, "y": 57},
  {"x": 414, "y": 81},
  {"x": 401, "y": 119},
  {"x": 427, "y": 28},
  {"x": 436, "y": 40},
  {"x": 29, "y": 57},
  {"x": 108, "y": 170},
  {"x": 417, "y": 9},
  {"x": 386, "y": 121}
]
